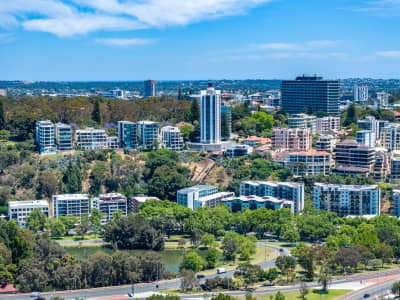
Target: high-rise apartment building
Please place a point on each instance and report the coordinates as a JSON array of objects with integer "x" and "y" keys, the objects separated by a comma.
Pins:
[
  {"x": 291, "y": 139},
  {"x": 303, "y": 121},
  {"x": 396, "y": 203},
  {"x": 395, "y": 169},
  {"x": 361, "y": 94},
  {"x": 210, "y": 115},
  {"x": 310, "y": 93},
  {"x": 351, "y": 153},
  {"x": 308, "y": 163},
  {"x": 171, "y": 138},
  {"x": 64, "y": 137},
  {"x": 45, "y": 137},
  {"x": 70, "y": 204},
  {"x": 150, "y": 88},
  {"x": 200, "y": 196},
  {"x": 20, "y": 210},
  {"x": 347, "y": 200},
  {"x": 325, "y": 143},
  {"x": 108, "y": 204},
  {"x": 226, "y": 110},
  {"x": 290, "y": 191},
  {"x": 366, "y": 137},
  {"x": 147, "y": 132},
  {"x": 390, "y": 137},
  {"x": 328, "y": 125},
  {"x": 91, "y": 139},
  {"x": 370, "y": 123},
  {"x": 127, "y": 134},
  {"x": 382, "y": 98}
]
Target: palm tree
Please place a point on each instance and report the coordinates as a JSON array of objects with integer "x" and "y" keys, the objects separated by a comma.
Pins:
[{"x": 325, "y": 276}]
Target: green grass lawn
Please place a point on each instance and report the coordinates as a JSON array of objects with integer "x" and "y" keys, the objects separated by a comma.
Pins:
[
  {"x": 88, "y": 237},
  {"x": 295, "y": 295}
]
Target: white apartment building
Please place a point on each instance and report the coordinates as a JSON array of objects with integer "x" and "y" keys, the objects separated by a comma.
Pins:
[
  {"x": 390, "y": 137},
  {"x": 366, "y": 137},
  {"x": 291, "y": 139},
  {"x": 91, "y": 139},
  {"x": 325, "y": 142},
  {"x": 45, "y": 137},
  {"x": 70, "y": 204},
  {"x": 200, "y": 196},
  {"x": 210, "y": 116},
  {"x": 348, "y": 200},
  {"x": 361, "y": 94},
  {"x": 171, "y": 138},
  {"x": 108, "y": 204},
  {"x": 63, "y": 134},
  {"x": 303, "y": 121},
  {"x": 328, "y": 125},
  {"x": 370, "y": 123},
  {"x": 382, "y": 98},
  {"x": 19, "y": 210},
  {"x": 147, "y": 132}
]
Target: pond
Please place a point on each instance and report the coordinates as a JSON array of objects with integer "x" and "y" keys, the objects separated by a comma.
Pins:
[{"x": 170, "y": 258}]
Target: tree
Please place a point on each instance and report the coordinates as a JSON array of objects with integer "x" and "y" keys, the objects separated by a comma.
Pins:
[
  {"x": 189, "y": 280},
  {"x": 36, "y": 220},
  {"x": 385, "y": 252},
  {"x": 95, "y": 218},
  {"x": 325, "y": 276},
  {"x": 72, "y": 178},
  {"x": 279, "y": 296},
  {"x": 207, "y": 239},
  {"x": 351, "y": 115},
  {"x": 290, "y": 234},
  {"x": 48, "y": 184},
  {"x": 2, "y": 115},
  {"x": 4, "y": 135},
  {"x": 223, "y": 297},
  {"x": 195, "y": 111},
  {"x": 211, "y": 258},
  {"x": 304, "y": 290},
  {"x": 192, "y": 261},
  {"x": 83, "y": 227},
  {"x": 181, "y": 243},
  {"x": 347, "y": 258},
  {"x": 57, "y": 227},
  {"x": 271, "y": 274},
  {"x": 69, "y": 222},
  {"x": 96, "y": 114},
  {"x": 186, "y": 131}
]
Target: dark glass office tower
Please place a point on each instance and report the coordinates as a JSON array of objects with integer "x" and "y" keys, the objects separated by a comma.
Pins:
[{"x": 310, "y": 93}]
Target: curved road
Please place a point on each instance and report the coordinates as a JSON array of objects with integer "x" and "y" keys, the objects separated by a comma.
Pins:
[{"x": 139, "y": 288}]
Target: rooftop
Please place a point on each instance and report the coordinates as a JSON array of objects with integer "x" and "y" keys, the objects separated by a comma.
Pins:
[
  {"x": 196, "y": 188},
  {"x": 346, "y": 187},
  {"x": 70, "y": 196},
  {"x": 272, "y": 183},
  {"x": 257, "y": 199},
  {"x": 28, "y": 203},
  {"x": 310, "y": 152}
]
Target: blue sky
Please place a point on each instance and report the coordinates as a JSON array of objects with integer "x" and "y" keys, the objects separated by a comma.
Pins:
[{"x": 198, "y": 39}]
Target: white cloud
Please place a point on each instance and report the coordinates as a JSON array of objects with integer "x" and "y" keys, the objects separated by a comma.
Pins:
[
  {"x": 380, "y": 7},
  {"x": 124, "y": 42},
  {"x": 71, "y": 17},
  {"x": 390, "y": 54},
  {"x": 307, "y": 46}
]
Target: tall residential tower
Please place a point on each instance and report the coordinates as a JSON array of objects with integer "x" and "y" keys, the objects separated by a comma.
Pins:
[{"x": 210, "y": 116}]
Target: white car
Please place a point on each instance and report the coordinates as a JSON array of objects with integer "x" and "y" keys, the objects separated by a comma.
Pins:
[
  {"x": 35, "y": 294},
  {"x": 221, "y": 270}
]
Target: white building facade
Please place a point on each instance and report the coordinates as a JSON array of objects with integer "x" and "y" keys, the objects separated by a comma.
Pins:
[
  {"x": 70, "y": 204},
  {"x": 19, "y": 210},
  {"x": 171, "y": 138},
  {"x": 210, "y": 114}
]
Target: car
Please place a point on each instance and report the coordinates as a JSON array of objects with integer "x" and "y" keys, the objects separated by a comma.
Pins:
[
  {"x": 221, "y": 270},
  {"x": 280, "y": 250},
  {"x": 200, "y": 276},
  {"x": 130, "y": 295},
  {"x": 40, "y": 298},
  {"x": 366, "y": 296},
  {"x": 205, "y": 288},
  {"x": 35, "y": 294}
]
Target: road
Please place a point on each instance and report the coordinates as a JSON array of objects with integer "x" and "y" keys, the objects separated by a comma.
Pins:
[{"x": 140, "y": 288}]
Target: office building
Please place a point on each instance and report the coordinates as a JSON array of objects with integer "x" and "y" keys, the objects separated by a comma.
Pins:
[
  {"x": 134, "y": 202},
  {"x": 370, "y": 123},
  {"x": 351, "y": 153},
  {"x": 238, "y": 203},
  {"x": 291, "y": 139},
  {"x": 45, "y": 137},
  {"x": 366, "y": 137},
  {"x": 171, "y": 138},
  {"x": 390, "y": 137},
  {"x": 361, "y": 94},
  {"x": 108, "y": 204},
  {"x": 127, "y": 134},
  {"x": 150, "y": 88},
  {"x": 325, "y": 143},
  {"x": 328, "y": 125},
  {"x": 396, "y": 203},
  {"x": 147, "y": 132},
  {"x": 210, "y": 115},
  {"x": 382, "y": 98},
  {"x": 63, "y": 134},
  {"x": 290, "y": 191},
  {"x": 200, "y": 196},
  {"x": 239, "y": 150},
  {"x": 347, "y": 200},
  {"x": 226, "y": 110},
  {"x": 19, "y": 210},
  {"x": 303, "y": 121},
  {"x": 70, "y": 204},
  {"x": 91, "y": 139},
  {"x": 119, "y": 94},
  {"x": 308, "y": 163},
  {"x": 310, "y": 93}
]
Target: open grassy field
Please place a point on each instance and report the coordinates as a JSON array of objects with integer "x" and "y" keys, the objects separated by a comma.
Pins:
[{"x": 295, "y": 295}]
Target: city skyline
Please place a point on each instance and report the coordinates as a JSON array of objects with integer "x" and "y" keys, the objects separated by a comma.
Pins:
[{"x": 54, "y": 40}]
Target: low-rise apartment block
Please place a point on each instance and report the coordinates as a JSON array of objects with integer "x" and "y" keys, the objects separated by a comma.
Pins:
[
  {"x": 70, "y": 204},
  {"x": 200, "y": 196},
  {"x": 63, "y": 133},
  {"x": 396, "y": 203},
  {"x": 325, "y": 142},
  {"x": 347, "y": 200},
  {"x": 45, "y": 137},
  {"x": 366, "y": 137},
  {"x": 303, "y": 121},
  {"x": 127, "y": 134},
  {"x": 147, "y": 132},
  {"x": 171, "y": 138},
  {"x": 108, "y": 204},
  {"x": 370, "y": 123},
  {"x": 291, "y": 139},
  {"x": 390, "y": 137},
  {"x": 328, "y": 125},
  {"x": 307, "y": 163},
  {"x": 19, "y": 210},
  {"x": 395, "y": 169},
  {"x": 239, "y": 150},
  {"x": 291, "y": 191},
  {"x": 91, "y": 139},
  {"x": 351, "y": 153},
  {"x": 237, "y": 203}
]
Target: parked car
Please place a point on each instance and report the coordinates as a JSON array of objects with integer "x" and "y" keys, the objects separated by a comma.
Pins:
[
  {"x": 35, "y": 294},
  {"x": 200, "y": 276},
  {"x": 205, "y": 288},
  {"x": 221, "y": 270},
  {"x": 366, "y": 296}
]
